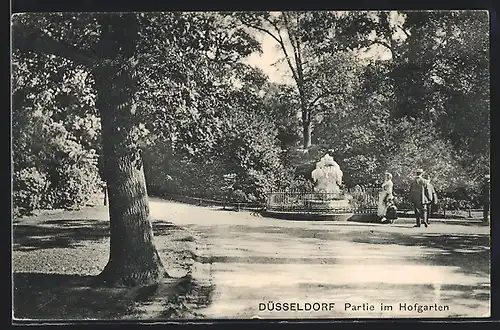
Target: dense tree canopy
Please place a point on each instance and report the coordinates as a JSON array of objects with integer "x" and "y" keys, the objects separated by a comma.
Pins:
[{"x": 94, "y": 93}]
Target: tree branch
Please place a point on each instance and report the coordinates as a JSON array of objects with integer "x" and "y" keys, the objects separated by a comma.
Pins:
[
  {"x": 281, "y": 42},
  {"x": 38, "y": 41},
  {"x": 383, "y": 43},
  {"x": 220, "y": 39},
  {"x": 293, "y": 42},
  {"x": 278, "y": 39},
  {"x": 256, "y": 27},
  {"x": 404, "y": 30},
  {"x": 299, "y": 55},
  {"x": 322, "y": 95}
]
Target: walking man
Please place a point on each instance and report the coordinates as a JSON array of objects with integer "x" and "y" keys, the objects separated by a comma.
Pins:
[
  {"x": 432, "y": 207},
  {"x": 420, "y": 197}
]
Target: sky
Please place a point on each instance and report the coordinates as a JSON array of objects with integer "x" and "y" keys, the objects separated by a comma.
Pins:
[{"x": 280, "y": 73}]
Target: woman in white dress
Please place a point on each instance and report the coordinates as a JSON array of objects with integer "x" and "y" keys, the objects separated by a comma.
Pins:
[{"x": 384, "y": 195}]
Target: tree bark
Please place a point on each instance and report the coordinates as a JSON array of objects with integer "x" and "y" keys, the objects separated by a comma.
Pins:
[
  {"x": 133, "y": 258},
  {"x": 306, "y": 118},
  {"x": 297, "y": 70}
]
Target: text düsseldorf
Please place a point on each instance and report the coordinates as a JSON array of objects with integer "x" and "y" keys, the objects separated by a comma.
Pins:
[{"x": 296, "y": 307}]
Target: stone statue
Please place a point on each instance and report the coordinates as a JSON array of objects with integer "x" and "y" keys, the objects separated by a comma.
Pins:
[{"x": 327, "y": 176}]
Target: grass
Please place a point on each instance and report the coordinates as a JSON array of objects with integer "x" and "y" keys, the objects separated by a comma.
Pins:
[{"x": 57, "y": 254}]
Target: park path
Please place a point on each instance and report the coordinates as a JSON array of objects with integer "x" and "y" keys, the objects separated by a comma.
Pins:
[{"x": 252, "y": 261}]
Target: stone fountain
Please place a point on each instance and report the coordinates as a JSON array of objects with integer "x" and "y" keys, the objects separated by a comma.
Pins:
[
  {"x": 328, "y": 196},
  {"x": 326, "y": 202}
]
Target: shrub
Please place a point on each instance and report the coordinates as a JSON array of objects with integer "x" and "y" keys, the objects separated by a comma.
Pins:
[
  {"x": 360, "y": 170},
  {"x": 251, "y": 151},
  {"x": 247, "y": 151},
  {"x": 362, "y": 198},
  {"x": 76, "y": 186},
  {"x": 239, "y": 196},
  {"x": 300, "y": 184},
  {"x": 29, "y": 186},
  {"x": 421, "y": 146},
  {"x": 170, "y": 173}
]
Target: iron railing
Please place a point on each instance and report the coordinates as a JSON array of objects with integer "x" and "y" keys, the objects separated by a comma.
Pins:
[
  {"x": 354, "y": 200},
  {"x": 361, "y": 200}
]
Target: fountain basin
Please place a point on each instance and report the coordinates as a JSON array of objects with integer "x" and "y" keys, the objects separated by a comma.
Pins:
[
  {"x": 327, "y": 205},
  {"x": 308, "y": 216},
  {"x": 326, "y": 202},
  {"x": 313, "y": 209}
]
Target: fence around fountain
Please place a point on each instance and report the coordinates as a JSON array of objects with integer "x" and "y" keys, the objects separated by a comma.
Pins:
[{"x": 300, "y": 204}]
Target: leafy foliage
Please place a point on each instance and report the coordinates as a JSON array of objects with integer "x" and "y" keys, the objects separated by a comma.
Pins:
[
  {"x": 247, "y": 151},
  {"x": 433, "y": 86},
  {"x": 55, "y": 131},
  {"x": 280, "y": 104},
  {"x": 203, "y": 116},
  {"x": 324, "y": 73},
  {"x": 421, "y": 147},
  {"x": 199, "y": 55},
  {"x": 29, "y": 187},
  {"x": 250, "y": 150}
]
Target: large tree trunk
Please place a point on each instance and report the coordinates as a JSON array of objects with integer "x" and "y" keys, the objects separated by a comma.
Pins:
[{"x": 133, "y": 258}]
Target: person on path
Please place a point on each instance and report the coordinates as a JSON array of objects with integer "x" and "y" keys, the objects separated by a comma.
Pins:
[
  {"x": 434, "y": 199},
  {"x": 420, "y": 196},
  {"x": 391, "y": 213},
  {"x": 385, "y": 195}
]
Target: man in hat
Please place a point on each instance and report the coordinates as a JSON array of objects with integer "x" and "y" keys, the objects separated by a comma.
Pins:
[
  {"x": 432, "y": 207},
  {"x": 420, "y": 196}
]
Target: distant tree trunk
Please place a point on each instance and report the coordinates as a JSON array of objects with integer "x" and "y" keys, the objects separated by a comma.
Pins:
[
  {"x": 105, "y": 196},
  {"x": 486, "y": 199},
  {"x": 133, "y": 258},
  {"x": 306, "y": 123},
  {"x": 306, "y": 135}
]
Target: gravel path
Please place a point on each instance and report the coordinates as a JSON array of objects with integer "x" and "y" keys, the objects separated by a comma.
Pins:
[
  {"x": 238, "y": 261},
  {"x": 254, "y": 260}
]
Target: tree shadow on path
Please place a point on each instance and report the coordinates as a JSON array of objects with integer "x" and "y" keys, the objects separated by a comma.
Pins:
[
  {"x": 57, "y": 296},
  {"x": 51, "y": 234},
  {"x": 469, "y": 252}
]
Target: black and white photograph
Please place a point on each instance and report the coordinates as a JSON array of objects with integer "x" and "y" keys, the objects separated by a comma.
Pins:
[{"x": 210, "y": 165}]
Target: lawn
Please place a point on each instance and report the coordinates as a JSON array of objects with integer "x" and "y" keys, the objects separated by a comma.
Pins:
[{"x": 57, "y": 254}]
